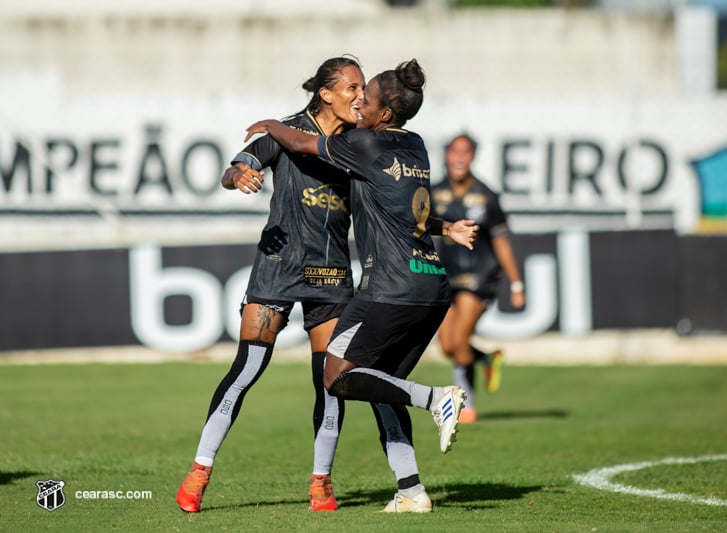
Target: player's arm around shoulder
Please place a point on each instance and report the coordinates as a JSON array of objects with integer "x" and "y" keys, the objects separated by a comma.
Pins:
[{"x": 290, "y": 138}]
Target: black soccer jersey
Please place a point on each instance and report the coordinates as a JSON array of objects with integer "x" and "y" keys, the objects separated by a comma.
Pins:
[
  {"x": 390, "y": 203},
  {"x": 480, "y": 204},
  {"x": 303, "y": 253}
]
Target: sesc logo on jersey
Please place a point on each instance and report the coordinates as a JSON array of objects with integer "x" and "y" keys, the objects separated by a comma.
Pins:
[
  {"x": 50, "y": 494},
  {"x": 314, "y": 197}
]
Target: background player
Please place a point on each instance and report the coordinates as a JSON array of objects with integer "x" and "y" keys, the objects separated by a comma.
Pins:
[{"x": 474, "y": 275}]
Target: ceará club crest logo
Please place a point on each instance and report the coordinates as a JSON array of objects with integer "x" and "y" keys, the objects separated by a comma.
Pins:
[{"x": 50, "y": 494}]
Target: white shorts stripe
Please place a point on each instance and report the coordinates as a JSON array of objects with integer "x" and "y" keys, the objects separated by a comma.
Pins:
[{"x": 339, "y": 345}]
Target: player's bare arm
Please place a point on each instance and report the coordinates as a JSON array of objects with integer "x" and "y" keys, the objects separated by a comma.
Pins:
[
  {"x": 289, "y": 138},
  {"x": 463, "y": 232},
  {"x": 243, "y": 177},
  {"x": 506, "y": 256}
]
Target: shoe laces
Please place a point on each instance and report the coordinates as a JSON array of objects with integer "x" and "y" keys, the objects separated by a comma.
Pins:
[
  {"x": 196, "y": 481},
  {"x": 438, "y": 419},
  {"x": 321, "y": 488}
]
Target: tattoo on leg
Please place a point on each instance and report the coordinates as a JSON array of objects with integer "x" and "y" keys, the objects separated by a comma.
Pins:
[{"x": 265, "y": 317}]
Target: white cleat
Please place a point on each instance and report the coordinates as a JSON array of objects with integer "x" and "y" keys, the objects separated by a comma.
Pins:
[
  {"x": 401, "y": 504},
  {"x": 446, "y": 416}
]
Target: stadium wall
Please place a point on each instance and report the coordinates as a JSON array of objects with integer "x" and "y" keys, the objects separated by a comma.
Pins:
[
  {"x": 252, "y": 49},
  {"x": 186, "y": 299}
]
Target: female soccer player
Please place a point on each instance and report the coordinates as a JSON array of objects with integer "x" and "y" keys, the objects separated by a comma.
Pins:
[
  {"x": 303, "y": 256},
  {"x": 474, "y": 275},
  {"x": 403, "y": 294}
]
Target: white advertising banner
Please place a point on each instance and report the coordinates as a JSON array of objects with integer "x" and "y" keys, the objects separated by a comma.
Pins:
[{"x": 113, "y": 171}]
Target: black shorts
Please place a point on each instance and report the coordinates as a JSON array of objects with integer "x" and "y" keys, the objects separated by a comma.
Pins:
[
  {"x": 386, "y": 337},
  {"x": 314, "y": 313},
  {"x": 484, "y": 287}
]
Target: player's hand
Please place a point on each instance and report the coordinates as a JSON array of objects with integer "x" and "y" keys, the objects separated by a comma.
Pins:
[
  {"x": 517, "y": 299},
  {"x": 259, "y": 127},
  {"x": 243, "y": 177},
  {"x": 464, "y": 232}
]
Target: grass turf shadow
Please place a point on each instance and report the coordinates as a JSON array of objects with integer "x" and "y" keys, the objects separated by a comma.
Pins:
[
  {"x": 477, "y": 495},
  {"x": 468, "y": 495},
  {"x": 6, "y": 478},
  {"x": 507, "y": 415}
]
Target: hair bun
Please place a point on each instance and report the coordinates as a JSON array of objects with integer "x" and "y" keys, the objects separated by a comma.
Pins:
[
  {"x": 411, "y": 75},
  {"x": 309, "y": 85}
]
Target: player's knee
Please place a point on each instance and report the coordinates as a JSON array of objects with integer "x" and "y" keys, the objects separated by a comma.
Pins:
[
  {"x": 335, "y": 366},
  {"x": 337, "y": 385},
  {"x": 329, "y": 377},
  {"x": 447, "y": 346},
  {"x": 460, "y": 348}
]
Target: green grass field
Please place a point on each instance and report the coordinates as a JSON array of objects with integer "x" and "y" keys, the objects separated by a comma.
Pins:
[{"x": 105, "y": 427}]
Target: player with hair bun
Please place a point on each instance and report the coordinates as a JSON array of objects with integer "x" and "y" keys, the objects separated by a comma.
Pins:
[{"x": 403, "y": 294}]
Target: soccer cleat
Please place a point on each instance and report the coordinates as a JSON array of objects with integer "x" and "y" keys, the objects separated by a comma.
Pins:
[
  {"x": 446, "y": 416},
  {"x": 468, "y": 415},
  {"x": 493, "y": 371},
  {"x": 321, "y": 494},
  {"x": 189, "y": 495},
  {"x": 401, "y": 504}
]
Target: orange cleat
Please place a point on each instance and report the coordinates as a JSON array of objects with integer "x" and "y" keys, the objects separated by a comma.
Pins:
[
  {"x": 467, "y": 415},
  {"x": 189, "y": 495},
  {"x": 321, "y": 494}
]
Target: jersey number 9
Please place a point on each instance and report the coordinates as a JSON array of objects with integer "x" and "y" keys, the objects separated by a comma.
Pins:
[{"x": 420, "y": 206}]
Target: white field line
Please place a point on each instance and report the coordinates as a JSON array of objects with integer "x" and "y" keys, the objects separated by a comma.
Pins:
[{"x": 600, "y": 478}]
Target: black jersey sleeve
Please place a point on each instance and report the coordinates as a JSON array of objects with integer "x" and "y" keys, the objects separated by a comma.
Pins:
[
  {"x": 496, "y": 218},
  {"x": 349, "y": 150},
  {"x": 259, "y": 154}
]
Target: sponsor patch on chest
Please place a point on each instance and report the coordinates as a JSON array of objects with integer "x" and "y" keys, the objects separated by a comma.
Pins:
[{"x": 324, "y": 275}]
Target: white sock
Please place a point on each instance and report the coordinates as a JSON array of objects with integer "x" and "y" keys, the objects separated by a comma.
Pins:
[
  {"x": 204, "y": 461},
  {"x": 399, "y": 451},
  {"x": 413, "y": 492}
]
